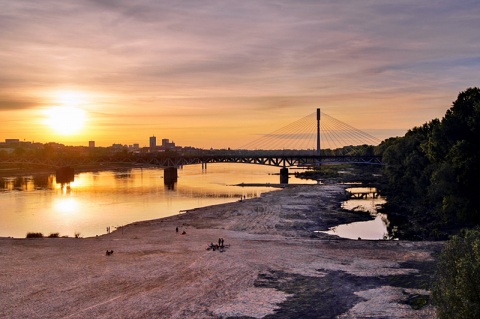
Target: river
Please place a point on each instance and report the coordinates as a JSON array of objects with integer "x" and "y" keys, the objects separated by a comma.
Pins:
[
  {"x": 113, "y": 198},
  {"x": 97, "y": 200}
]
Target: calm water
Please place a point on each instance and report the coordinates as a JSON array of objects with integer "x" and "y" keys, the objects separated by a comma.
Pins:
[
  {"x": 373, "y": 229},
  {"x": 115, "y": 198}
]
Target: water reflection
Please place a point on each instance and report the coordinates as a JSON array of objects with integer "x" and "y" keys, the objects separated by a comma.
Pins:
[
  {"x": 27, "y": 183},
  {"x": 96, "y": 200},
  {"x": 67, "y": 205},
  {"x": 373, "y": 229}
]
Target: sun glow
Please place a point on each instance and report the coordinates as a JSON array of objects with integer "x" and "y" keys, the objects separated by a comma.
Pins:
[
  {"x": 70, "y": 98},
  {"x": 65, "y": 120},
  {"x": 66, "y": 206},
  {"x": 66, "y": 116}
]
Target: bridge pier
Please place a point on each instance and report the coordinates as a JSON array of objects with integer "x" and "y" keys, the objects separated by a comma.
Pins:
[
  {"x": 64, "y": 175},
  {"x": 170, "y": 176},
  {"x": 284, "y": 175}
]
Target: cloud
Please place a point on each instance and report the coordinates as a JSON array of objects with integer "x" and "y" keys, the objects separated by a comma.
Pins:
[
  {"x": 214, "y": 58},
  {"x": 16, "y": 104}
]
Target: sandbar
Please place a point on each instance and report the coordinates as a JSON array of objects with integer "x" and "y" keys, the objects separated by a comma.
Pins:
[{"x": 273, "y": 265}]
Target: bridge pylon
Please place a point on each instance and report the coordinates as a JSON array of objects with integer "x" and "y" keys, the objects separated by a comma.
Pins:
[
  {"x": 318, "y": 131},
  {"x": 170, "y": 177},
  {"x": 284, "y": 175}
]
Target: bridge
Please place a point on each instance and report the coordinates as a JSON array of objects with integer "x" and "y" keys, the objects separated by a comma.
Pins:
[{"x": 298, "y": 144}]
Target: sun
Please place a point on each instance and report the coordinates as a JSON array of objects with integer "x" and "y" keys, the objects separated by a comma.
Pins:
[
  {"x": 67, "y": 117},
  {"x": 65, "y": 120}
]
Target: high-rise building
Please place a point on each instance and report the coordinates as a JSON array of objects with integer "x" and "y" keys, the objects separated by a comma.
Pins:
[
  {"x": 167, "y": 145},
  {"x": 153, "y": 142},
  {"x": 91, "y": 144}
]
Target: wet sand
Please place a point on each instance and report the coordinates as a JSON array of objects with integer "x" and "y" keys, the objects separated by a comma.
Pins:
[{"x": 274, "y": 266}]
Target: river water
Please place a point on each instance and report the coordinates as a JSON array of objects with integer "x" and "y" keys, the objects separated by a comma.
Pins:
[{"x": 97, "y": 200}]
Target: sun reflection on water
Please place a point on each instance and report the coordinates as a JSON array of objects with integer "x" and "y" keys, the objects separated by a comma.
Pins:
[{"x": 66, "y": 205}]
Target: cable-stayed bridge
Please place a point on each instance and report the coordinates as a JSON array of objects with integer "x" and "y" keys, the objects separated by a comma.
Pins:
[
  {"x": 310, "y": 141},
  {"x": 318, "y": 132}
]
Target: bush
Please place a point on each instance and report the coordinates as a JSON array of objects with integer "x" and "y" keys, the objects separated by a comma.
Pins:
[
  {"x": 34, "y": 235},
  {"x": 54, "y": 235},
  {"x": 456, "y": 291}
]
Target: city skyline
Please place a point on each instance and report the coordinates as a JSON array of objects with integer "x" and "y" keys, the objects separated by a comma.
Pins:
[
  {"x": 165, "y": 143},
  {"x": 221, "y": 74}
]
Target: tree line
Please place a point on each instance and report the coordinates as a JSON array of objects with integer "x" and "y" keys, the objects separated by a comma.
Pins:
[{"x": 432, "y": 173}]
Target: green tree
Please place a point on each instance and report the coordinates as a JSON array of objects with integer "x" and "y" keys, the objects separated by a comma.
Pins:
[
  {"x": 456, "y": 291},
  {"x": 433, "y": 171},
  {"x": 454, "y": 148}
]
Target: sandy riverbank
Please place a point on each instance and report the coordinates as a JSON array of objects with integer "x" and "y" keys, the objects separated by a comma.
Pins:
[{"x": 275, "y": 267}]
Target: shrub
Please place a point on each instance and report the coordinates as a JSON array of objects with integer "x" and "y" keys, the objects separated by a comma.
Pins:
[
  {"x": 77, "y": 235},
  {"x": 456, "y": 292},
  {"x": 34, "y": 235},
  {"x": 54, "y": 235}
]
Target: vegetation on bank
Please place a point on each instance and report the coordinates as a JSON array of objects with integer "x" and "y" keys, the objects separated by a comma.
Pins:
[
  {"x": 34, "y": 235},
  {"x": 432, "y": 173},
  {"x": 52, "y": 235},
  {"x": 456, "y": 290}
]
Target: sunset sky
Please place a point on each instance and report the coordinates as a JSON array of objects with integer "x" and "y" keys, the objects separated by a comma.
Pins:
[{"x": 221, "y": 73}]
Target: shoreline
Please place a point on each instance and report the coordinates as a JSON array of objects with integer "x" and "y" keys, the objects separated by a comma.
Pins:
[{"x": 274, "y": 265}]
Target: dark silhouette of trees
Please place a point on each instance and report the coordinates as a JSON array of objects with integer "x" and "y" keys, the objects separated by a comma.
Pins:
[{"x": 433, "y": 170}]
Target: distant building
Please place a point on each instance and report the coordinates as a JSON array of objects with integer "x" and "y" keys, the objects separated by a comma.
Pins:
[
  {"x": 153, "y": 143},
  {"x": 166, "y": 144},
  {"x": 91, "y": 144},
  {"x": 136, "y": 146},
  {"x": 12, "y": 141}
]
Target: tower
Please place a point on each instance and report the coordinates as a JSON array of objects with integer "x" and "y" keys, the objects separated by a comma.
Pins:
[
  {"x": 318, "y": 132},
  {"x": 153, "y": 143}
]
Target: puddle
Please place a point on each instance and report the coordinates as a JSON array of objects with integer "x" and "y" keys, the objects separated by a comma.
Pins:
[{"x": 375, "y": 229}]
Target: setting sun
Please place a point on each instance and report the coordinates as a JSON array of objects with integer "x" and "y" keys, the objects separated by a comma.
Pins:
[{"x": 65, "y": 120}]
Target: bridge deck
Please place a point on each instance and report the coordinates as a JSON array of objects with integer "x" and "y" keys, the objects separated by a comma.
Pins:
[{"x": 177, "y": 160}]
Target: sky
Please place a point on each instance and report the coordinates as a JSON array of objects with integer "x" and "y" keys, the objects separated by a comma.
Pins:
[{"x": 222, "y": 73}]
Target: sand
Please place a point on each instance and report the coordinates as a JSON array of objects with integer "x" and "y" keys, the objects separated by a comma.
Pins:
[{"x": 274, "y": 266}]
